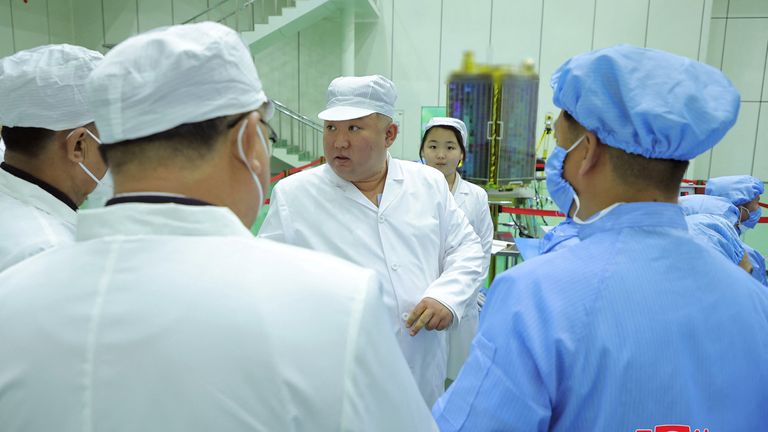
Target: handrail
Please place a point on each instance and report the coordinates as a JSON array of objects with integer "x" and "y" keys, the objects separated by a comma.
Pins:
[
  {"x": 296, "y": 116},
  {"x": 210, "y": 9},
  {"x": 242, "y": 7},
  {"x": 304, "y": 136}
]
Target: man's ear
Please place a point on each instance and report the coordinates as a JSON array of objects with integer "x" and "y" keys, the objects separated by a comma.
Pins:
[
  {"x": 391, "y": 134},
  {"x": 75, "y": 145},
  {"x": 245, "y": 129},
  {"x": 593, "y": 152}
]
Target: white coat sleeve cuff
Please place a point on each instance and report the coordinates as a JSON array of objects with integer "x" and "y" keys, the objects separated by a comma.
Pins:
[{"x": 455, "y": 320}]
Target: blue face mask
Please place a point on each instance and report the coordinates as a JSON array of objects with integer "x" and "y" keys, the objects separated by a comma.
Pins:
[
  {"x": 754, "y": 217},
  {"x": 560, "y": 190}
]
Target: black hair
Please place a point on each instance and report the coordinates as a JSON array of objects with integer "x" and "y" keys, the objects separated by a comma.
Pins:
[
  {"x": 190, "y": 141},
  {"x": 635, "y": 170},
  {"x": 27, "y": 141}
]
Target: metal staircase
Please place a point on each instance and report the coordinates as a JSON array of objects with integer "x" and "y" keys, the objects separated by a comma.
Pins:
[
  {"x": 300, "y": 139},
  {"x": 242, "y": 15},
  {"x": 261, "y": 23}
]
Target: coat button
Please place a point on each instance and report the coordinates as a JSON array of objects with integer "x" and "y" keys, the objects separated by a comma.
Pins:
[
  {"x": 395, "y": 267},
  {"x": 381, "y": 219}
]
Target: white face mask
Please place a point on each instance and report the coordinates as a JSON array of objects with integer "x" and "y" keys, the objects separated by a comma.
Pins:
[
  {"x": 103, "y": 191},
  {"x": 82, "y": 165},
  {"x": 240, "y": 134}
]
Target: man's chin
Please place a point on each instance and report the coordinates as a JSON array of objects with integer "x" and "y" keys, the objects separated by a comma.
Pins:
[{"x": 342, "y": 171}]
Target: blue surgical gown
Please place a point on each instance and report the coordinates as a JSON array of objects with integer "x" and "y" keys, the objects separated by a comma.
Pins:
[
  {"x": 564, "y": 234},
  {"x": 635, "y": 326},
  {"x": 758, "y": 264},
  {"x": 721, "y": 207},
  {"x": 718, "y": 233}
]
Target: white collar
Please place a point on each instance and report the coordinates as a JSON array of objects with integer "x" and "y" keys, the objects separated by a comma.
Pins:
[
  {"x": 134, "y": 219},
  {"x": 33, "y": 195},
  {"x": 456, "y": 183}
]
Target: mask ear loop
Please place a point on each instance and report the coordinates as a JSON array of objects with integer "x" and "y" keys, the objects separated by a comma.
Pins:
[
  {"x": 86, "y": 131},
  {"x": 82, "y": 165},
  {"x": 602, "y": 212},
  {"x": 741, "y": 228},
  {"x": 90, "y": 174},
  {"x": 240, "y": 134},
  {"x": 562, "y": 168}
]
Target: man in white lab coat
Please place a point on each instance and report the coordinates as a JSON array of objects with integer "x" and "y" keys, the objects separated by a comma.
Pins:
[
  {"x": 52, "y": 161},
  {"x": 395, "y": 217},
  {"x": 167, "y": 315}
]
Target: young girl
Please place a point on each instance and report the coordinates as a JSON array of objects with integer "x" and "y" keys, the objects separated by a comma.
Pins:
[{"x": 443, "y": 148}]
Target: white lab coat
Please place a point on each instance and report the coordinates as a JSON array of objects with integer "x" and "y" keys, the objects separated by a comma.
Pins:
[
  {"x": 165, "y": 317},
  {"x": 473, "y": 201},
  {"x": 417, "y": 241},
  {"x": 31, "y": 220}
]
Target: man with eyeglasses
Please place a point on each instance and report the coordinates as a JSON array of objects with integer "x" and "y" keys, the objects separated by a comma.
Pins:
[{"x": 167, "y": 314}]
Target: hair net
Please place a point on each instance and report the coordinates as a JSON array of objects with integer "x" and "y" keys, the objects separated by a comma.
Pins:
[
  {"x": 170, "y": 76},
  {"x": 705, "y": 204},
  {"x": 739, "y": 189},
  {"x": 44, "y": 87},
  {"x": 449, "y": 122},
  {"x": 717, "y": 233},
  {"x": 647, "y": 102}
]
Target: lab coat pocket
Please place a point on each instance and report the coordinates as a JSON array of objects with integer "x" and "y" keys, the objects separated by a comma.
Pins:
[{"x": 470, "y": 380}]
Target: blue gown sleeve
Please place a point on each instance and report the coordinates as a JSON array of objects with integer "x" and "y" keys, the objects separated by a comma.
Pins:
[{"x": 501, "y": 386}]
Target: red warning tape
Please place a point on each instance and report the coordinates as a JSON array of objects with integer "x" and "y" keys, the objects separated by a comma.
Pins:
[
  {"x": 508, "y": 210},
  {"x": 530, "y": 212},
  {"x": 291, "y": 171}
]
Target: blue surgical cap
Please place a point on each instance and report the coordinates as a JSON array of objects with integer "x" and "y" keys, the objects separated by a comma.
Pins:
[
  {"x": 739, "y": 189},
  {"x": 717, "y": 233},
  {"x": 647, "y": 102},
  {"x": 705, "y": 204}
]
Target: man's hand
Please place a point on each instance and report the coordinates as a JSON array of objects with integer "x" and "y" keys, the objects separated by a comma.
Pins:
[
  {"x": 745, "y": 263},
  {"x": 429, "y": 314}
]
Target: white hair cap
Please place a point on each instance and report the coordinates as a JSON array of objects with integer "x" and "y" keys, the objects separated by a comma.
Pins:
[
  {"x": 450, "y": 122},
  {"x": 355, "y": 97},
  {"x": 44, "y": 87},
  {"x": 161, "y": 79}
]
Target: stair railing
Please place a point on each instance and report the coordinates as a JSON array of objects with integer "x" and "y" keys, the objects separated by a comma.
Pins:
[
  {"x": 242, "y": 15},
  {"x": 297, "y": 133}
]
